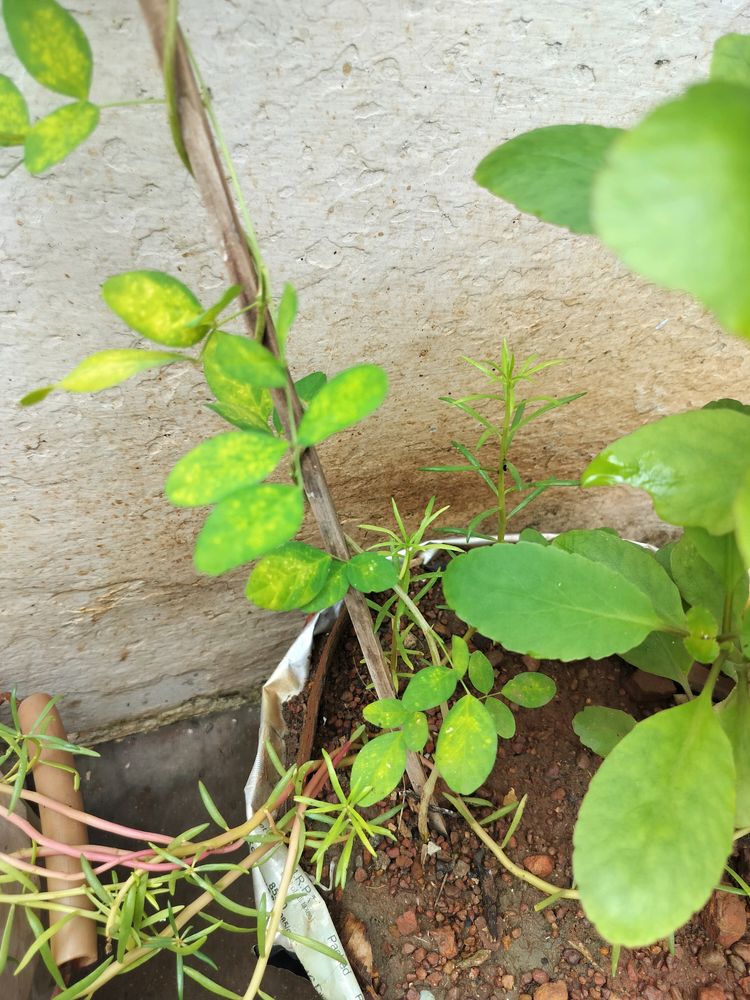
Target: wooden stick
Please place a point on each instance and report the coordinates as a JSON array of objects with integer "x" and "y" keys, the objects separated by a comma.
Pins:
[{"x": 210, "y": 177}]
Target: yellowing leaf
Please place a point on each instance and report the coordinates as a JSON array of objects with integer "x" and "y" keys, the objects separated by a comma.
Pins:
[
  {"x": 155, "y": 305},
  {"x": 14, "y": 115},
  {"x": 52, "y": 138},
  {"x": 107, "y": 368},
  {"x": 239, "y": 403},
  {"x": 249, "y": 361},
  {"x": 467, "y": 745},
  {"x": 221, "y": 465},
  {"x": 379, "y": 765},
  {"x": 51, "y": 45},
  {"x": 289, "y": 577},
  {"x": 347, "y": 398}
]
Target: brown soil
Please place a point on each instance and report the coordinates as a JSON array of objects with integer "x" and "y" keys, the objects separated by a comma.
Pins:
[{"x": 454, "y": 923}]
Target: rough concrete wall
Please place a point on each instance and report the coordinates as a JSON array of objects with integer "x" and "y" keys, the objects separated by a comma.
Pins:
[{"x": 356, "y": 128}]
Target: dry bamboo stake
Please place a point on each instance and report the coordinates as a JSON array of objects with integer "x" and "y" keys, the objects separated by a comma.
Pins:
[
  {"x": 210, "y": 177},
  {"x": 74, "y": 945}
]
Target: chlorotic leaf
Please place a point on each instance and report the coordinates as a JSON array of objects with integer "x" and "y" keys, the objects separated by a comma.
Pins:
[
  {"x": 51, "y": 139},
  {"x": 249, "y": 361},
  {"x": 246, "y": 525},
  {"x": 107, "y": 368},
  {"x": 530, "y": 690},
  {"x": 642, "y": 862},
  {"x": 429, "y": 687},
  {"x": 14, "y": 114},
  {"x": 466, "y": 746},
  {"x": 371, "y": 572},
  {"x": 601, "y": 729},
  {"x": 459, "y": 654},
  {"x": 661, "y": 200},
  {"x": 730, "y": 61},
  {"x": 155, "y": 305},
  {"x": 286, "y": 315},
  {"x": 307, "y": 387},
  {"x": 244, "y": 405},
  {"x": 481, "y": 674},
  {"x": 502, "y": 717},
  {"x": 333, "y": 590},
  {"x": 546, "y": 602},
  {"x": 344, "y": 400},
  {"x": 380, "y": 764},
  {"x": 691, "y": 464},
  {"x": 387, "y": 713},
  {"x": 288, "y": 577},
  {"x": 221, "y": 465},
  {"x": 51, "y": 45},
  {"x": 549, "y": 172},
  {"x": 701, "y": 643},
  {"x": 416, "y": 731}
]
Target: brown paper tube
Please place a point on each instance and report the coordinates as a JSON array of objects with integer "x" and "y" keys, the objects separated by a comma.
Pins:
[{"x": 75, "y": 944}]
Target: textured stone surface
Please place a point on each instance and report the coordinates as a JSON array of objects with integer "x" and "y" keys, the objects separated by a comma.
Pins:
[{"x": 356, "y": 129}]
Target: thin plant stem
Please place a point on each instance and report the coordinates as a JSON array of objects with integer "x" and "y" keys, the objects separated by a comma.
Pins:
[
  {"x": 423, "y": 624},
  {"x": 424, "y": 803},
  {"x": 132, "y": 104}
]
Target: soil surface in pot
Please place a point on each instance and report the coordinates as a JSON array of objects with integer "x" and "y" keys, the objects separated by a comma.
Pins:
[{"x": 453, "y": 924}]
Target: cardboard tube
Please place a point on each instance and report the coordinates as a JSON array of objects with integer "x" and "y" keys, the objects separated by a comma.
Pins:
[{"x": 74, "y": 945}]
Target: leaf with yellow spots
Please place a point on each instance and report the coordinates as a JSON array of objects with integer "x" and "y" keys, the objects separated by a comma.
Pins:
[
  {"x": 249, "y": 361},
  {"x": 289, "y": 577},
  {"x": 223, "y": 465},
  {"x": 248, "y": 524},
  {"x": 51, "y": 45},
  {"x": 53, "y": 138},
  {"x": 239, "y": 403},
  {"x": 155, "y": 305},
  {"x": 467, "y": 745},
  {"x": 14, "y": 115},
  {"x": 347, "y": 398}
]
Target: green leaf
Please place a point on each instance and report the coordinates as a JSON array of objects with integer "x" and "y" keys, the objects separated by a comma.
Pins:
[
  {"x": 14, "y": 114},
  {"x": 241, "y": 404},
  {"x": 661, "y": 654},
  {"x": 655, "y": 828},
  {"x": 547, "y": 602},
  {"x": 745, "y": 635},
  {"x": 459, "y": 654},
  {"x": 286, "y": 315},
  {"x": 307, "y": 387},
  {"x": 52, "y": 138},
  {"x": 533, "y": 536},
  {"x": 661, "y": 200},
  {"x": 209, "y": 317},
  {"x": 37, "y": 395},
  {"x": 416, "y": 731},
  {"x": 730, "y": 61},
  {"x": 691, "y": 464},
  {"x": 380, "y": 765},
  {"x": 221, "y": 465},
  {"x": 549, "y": 172},
  {"x": 210, "y": 985},
  {"x": 741, "y": 513},
  {"x": 371, "y": 572},
  {"x": 466, "y": 746},
  {"x": 332, "y": 591},
  {"x": 211, "y": 807},
  {"x": 249, "y": 361},
  {"x": 246, "y": 525},
  {"x": 708, "y": 568},
  {"x": 429, "y": 687},
  {"x": 601, "y": 729},
  {"x": 155, "y": 305},
  {"x": 701, "y": 643},
  {"x": 503, "y": 719},
  {"x": 734, "y": 715},
  {"x": 346, "y": 399},
  {"x": 107, "y": 368},
  {"x": 727, "y": 403},
  {"x": 531, "y": 690},
  {"x": 289, "y": 577},
  {"x": 51, "y": 45},
  {"x": 388, "y": 713},
  {"x": 481, "y": 674}
]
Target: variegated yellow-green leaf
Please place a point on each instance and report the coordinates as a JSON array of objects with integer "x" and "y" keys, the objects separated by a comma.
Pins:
[
  {"x": 467, "y": 745},
  {"x": 239, "y": 403},
  {"x": 415, "y": 731},
  {"x": 379, "y": 765},
  {"x": 286, "y": 314},
  {"x": 107, "y": 368},
  {"x": 531, "y": 690},
  {"x": 52, "y": 138},
  {"x": 429, "y": 687},
  {"x": 387, "y": 713},
  {"x": 502, "y": 717},
  {"x": 249, "y": 361},
  {"x": 289, "y": 577},
  {"x": 371, "y": 572},
  {"x": 481, "y": 674},
  {"x": 347, "y": 398},
  {"x": 155, "y": 305},
  {"x": 332, "y": 591},
  {"x": 246, "y": 525},
  {"x": 14, "y": 115},
  {"x": 51, "y": 45},
  {"x": 222, "y": 465}
]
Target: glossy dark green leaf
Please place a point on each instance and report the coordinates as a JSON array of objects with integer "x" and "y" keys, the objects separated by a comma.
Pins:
[
  {"x": 655, "y": 828},
  {"x": 466, "y": 746},
  {"x": 481, "y": 674},
  {"x": 246, "y": 525},
  {"x": 371, "y": 572},
  {"x": 344, "y": 400},
  {"x": 53, "y": 138},
  {"x": 691, "y": 464},
  {"x": 288, "y": 577},
  {"x": 333, "y": 590},
  {"x": 730, "y": 61},
  {"x": 601, "y": 729},
  {"x": 286, "y": 315},
  {"x": 416, "y": 731},
  {"x": 429, "y": 687},
  {"x": 14, "y": 114},
  {"x": 661, "y": 200},
  {"x": 221, "y": 465},
  {"x": 547, "y": 602},
  {"x": 387, "y": 713},
  {"x": 155, "y": 305},
  {"x": 530, "y": 690},
  {"x": 51, "y": 45},
  {"x": 380, "y": 764},
  {"x": 549, "y": 172},
  {"x": 502, "y": 717},
  {"x": 249, "y": 361}
]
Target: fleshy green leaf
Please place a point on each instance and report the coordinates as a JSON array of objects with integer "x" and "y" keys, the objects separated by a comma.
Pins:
[
  {"x": 661, "y": 654},
  {"x": 249, "y": 361},
  {"x": 416, "y": 731},
  {"x": 730, "y": 61},
  {"x": 289, "y": 577},
  {"x": 708, "y": 569},
  {"x": 691, "y": 464},
  {"x": 379, "y": 764},
  {"x": 642, "y": 860},
  {"x": 549, "y": 172},
  {"x": 239, "y": 403},
  {"x": 531, "y": 690},
  {"x": 333, "y": 590},
  {"x": 661, "y": 200},
  {"x": 727, "y": 403},
  {"x": 386, "y": 713},
  {"x": 346, "y": 399},
  {"x": 429, "y": 687},
  {"x": 221, "y": 465},
  {"x": 481, "y": 674},
  {"x": 286, "y": 315},
  {"x": 155, "y": 305},
  {"x": 52, "y": 138},
  {"x": 741, "y": 513},
  {"x": 246, "y": 525},
  {"x": 467, "y": 745},
  {"x": 701, "y": 643},
  {"x": 601, "y": 729},
  {"x": 503, "y": 719},
  {"x": 371, "y": 572},
  {"x": 51, "y": 45},
  {"x": 107, "y": 368},
  {"x": 734, "y": 716},
  {"x": 546, "y": 602},
  {"x": 14, "y": 114}
]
